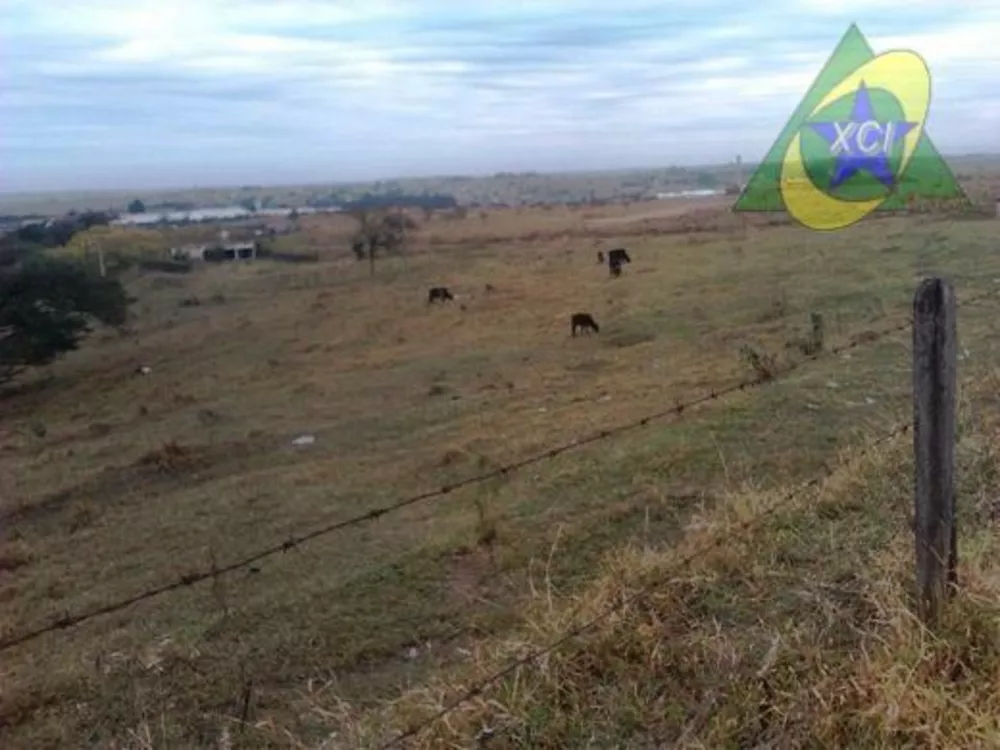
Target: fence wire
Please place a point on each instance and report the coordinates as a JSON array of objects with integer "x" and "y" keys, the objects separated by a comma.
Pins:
[
  {"x": 739, "y": 530},
  {"x": 676, "y": 410}
]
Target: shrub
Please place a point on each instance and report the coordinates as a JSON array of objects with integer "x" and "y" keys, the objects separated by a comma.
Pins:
[{"x": 48, "y": 306}]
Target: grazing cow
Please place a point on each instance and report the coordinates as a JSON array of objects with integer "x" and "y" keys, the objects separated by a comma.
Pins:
[
  {"x": 615, "y": 259},
  {"x": 490, "y": 288},
  {"x": 440, "y": 293},
  {"x": 583, "y": 321},
  {"x": 600, "y": 258}
]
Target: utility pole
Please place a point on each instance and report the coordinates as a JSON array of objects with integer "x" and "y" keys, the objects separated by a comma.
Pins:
[{"x": 100, "y": 257}]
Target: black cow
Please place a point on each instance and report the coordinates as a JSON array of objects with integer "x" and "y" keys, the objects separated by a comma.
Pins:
[
  {"x": 439, "y": 293},
  {"x": 616, "y": 258},
  {"x": 583, "y": 321}
]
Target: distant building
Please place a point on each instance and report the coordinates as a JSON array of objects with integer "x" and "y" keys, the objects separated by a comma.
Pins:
[
  {"x": 232, "y": 251},
  {"x": 188, "y": 252},
  {"x": 216, "y": 252},
  {"x": 224, "y": 213},
  {"x": 704, "y": 193}
]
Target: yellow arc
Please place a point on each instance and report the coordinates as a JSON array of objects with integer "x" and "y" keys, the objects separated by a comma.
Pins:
[{"x": 905, "y": 74}]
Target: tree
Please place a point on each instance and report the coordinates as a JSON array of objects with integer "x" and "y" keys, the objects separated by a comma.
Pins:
[
  {"x": 31, "y": 238},
  {"x": 380, "y": 230},
  {"x": 89, "y": 219},
  {"x": 137, "y": 207},
  {"x": 48, "y": 306}
]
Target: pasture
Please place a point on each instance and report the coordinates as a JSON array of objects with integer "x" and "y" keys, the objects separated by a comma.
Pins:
[{"x": 115, "y": 482}]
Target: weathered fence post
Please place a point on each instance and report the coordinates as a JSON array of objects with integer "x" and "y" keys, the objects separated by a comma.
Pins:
[{"x": 934, "y": 399}]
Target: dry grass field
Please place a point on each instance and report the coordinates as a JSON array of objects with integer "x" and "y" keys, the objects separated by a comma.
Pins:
[{"x": 796, "y": 630}]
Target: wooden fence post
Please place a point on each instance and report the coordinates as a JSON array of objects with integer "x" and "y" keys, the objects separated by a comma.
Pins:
[{"x": 934, "y": 400}]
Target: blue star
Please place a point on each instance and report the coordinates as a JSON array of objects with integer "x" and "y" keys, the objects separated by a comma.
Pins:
[{"x": 862, "y": 143}]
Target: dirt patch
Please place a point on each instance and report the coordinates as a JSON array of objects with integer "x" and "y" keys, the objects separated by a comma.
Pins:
[
  {"x": 452, "y": 457},
  {"x": 865, "y": 337},
  {"x": 669, "y": 209},
  {"x": 470, "y": 568},
  {"x": 15, "y": 554},
  {"x": 171, "y": 458},
  {"x": 168, "y": 464}
]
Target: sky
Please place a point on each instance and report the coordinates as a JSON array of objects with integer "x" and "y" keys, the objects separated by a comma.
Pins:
[{"x": 184, "y": 93}]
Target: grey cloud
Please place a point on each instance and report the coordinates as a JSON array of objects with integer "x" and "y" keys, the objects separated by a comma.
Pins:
[
  {"x": 111, "y": 86},
  {"x": 498, "y": 90}
]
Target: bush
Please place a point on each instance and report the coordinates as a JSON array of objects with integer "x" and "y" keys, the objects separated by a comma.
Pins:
[
  {"x": 22, "y": 242},
  {"x": 48, "y": 306}
]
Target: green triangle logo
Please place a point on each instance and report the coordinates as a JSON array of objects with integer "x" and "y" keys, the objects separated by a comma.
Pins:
[{"x": 855, "y": 144}]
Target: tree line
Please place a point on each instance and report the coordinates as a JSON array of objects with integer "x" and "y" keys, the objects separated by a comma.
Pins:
[
  {"x": 398, "y": 199},
  {"x": 47, "y": 234},
  {"x": 48, "y": 305}
]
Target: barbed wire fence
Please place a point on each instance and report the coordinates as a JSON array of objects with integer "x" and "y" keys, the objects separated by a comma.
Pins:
[
  {"x": 935, "y": 380},
  {"x": 676, "y": 410},
  {"x": 785, "y": 502}
]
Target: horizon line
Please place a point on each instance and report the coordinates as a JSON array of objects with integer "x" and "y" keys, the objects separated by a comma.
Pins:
[{"x": 429, "y": 176}]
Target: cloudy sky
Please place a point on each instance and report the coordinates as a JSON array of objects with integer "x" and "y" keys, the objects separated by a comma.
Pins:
[{"x": 151, "y": 93}]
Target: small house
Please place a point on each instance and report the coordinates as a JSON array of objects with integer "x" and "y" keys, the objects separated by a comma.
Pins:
[
  {"x": 231, "y": 251},
  {"x": 216, "y": 253},
  {"x": 188, "y": 252}
]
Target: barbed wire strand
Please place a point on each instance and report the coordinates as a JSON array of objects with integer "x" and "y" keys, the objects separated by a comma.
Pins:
[
  {"x": 644, "y": 591},
  {"x": 191, "y": 579},
  {"x": 679, "y": 408}
]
